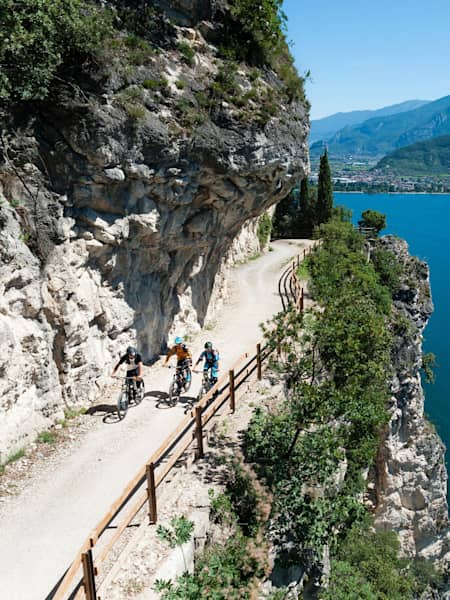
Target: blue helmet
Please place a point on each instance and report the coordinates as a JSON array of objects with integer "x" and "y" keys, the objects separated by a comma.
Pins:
[
  {"x": 131, "y": 351},
  {"x": 178, "y": 340}
]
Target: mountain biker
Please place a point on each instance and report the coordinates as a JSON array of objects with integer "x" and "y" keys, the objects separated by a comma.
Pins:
[
  {"x": 211, "y": 358},
  {"x": 184, "y": 357},
  {"x": 133, "y": 362}
]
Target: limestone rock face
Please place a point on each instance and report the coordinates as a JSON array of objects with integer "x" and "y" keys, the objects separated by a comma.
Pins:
[
  {"x": 119, "y": 225},
  {"x": 411, "y": 474}
]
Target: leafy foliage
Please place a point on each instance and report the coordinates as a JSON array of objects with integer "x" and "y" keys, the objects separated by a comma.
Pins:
[
  {"x": 264, "y": 229},
  {"x": 367, "y": 566},
  {"x": 224, "y": 570},
  {"x": 373, "y": 219},
  {"x": 313, "y": 451},
  {"x": 38, "y": 36}
]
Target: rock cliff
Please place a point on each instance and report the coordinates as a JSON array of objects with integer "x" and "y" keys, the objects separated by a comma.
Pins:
[
  {"x": 123, "y": 196},
  {"x": 411, "y": 477}
]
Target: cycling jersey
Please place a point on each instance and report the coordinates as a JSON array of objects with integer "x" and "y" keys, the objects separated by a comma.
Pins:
[
  {"x": 132, "y": 363},
  {"x": 211, "y": 357},
  {"x": 181, "y": 350}
]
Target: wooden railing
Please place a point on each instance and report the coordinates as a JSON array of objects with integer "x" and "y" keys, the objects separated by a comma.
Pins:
[{"x": 81, "y": 579}]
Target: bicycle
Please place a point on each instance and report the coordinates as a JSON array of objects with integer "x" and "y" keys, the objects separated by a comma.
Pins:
[
  {"x": 130, "y": 393},
  {"x": 180, "y": 382},
  {"x": 207, "y": 382}
]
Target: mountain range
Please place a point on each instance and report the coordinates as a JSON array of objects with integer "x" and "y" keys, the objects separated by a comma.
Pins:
[
  {"x": 431, "y": 157},
  {"x": 376, "y": 137},
  {"x": 323, "y": 129}
]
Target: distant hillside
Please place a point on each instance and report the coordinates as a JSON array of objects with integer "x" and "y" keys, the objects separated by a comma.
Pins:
[
  {"x": 379, "y": 136},
  {"x": 323, "y": 129},
  {"x": 431, "y": 157}
]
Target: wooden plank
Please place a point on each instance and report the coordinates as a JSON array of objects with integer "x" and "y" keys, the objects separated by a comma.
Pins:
[
  {"x": 176, "y": 457},
  {"x": 199, "y": 432},
  {"x": 151, "y": 493},
  {"x": 136, "y": 507},
  {"x": 232, "y": 394},
  {"x": 88, "y": 575},
  {"x": 258, "y": 362},
  {"x": 67, "y": 582}
]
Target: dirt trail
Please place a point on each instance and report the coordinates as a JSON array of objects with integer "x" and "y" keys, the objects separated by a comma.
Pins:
[{"x": 43, "y": 527}]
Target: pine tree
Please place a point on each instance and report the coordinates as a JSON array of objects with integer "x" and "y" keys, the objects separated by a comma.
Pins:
[{"x": 324, "y": 207}]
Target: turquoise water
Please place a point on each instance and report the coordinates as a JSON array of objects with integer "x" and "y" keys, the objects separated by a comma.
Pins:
[{"x": 423, "y": 220}]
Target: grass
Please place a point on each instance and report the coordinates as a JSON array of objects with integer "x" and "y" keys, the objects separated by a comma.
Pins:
[
  {"x": 15, "y": 456},
  {"x": 46, "y": 437},
  {"x": 70, "y": 414}
]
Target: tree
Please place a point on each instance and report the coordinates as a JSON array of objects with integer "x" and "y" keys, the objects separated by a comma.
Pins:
[
  {"x": 324, "y": 206},
  {"x": 372, "y": 219},
  {"x": 305, "y": 218}
]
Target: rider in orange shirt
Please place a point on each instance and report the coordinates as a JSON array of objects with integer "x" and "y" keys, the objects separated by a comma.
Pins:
[{"x": 184, "y": 356}]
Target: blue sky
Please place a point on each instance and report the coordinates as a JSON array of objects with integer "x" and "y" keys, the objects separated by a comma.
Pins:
[{"x": 366, "y": 54}]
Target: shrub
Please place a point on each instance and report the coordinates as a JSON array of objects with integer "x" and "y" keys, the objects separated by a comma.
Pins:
[
  {"x": 37, "y": 37},
  {"x": 188, "y": 52},
  {"x": 264, "y": 229}
]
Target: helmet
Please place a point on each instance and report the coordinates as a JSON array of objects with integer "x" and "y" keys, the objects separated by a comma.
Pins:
[
  {"x": 208, "y": 345},
  {"x": 131, "y": 351},
  {"x": 178, "y": 340}
]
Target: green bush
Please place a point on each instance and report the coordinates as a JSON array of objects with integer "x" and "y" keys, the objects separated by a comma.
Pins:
[
  {"x": 38, "y": 36},
  {"x": 367, "y": 566},
  {"x": 264, "y": 229},
  {"x": 187, "y": 52}
]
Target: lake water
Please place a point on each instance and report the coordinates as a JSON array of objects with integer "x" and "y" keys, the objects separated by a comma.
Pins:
[{"x": 423, "y": 220}]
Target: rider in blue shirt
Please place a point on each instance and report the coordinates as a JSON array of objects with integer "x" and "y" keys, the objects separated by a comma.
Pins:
[{"x": 211, "y": 358}]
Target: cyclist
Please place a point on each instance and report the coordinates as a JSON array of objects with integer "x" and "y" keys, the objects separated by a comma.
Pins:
[
  {"x": 133, "y": 362},
  {"x": 211, "y": 358},
  {"x": 184, "y": 357}
]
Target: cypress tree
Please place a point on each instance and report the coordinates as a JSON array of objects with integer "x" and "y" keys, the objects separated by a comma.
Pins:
[
  {"x": 324, "y": 207},
  {"x": 305, "y": 217}
]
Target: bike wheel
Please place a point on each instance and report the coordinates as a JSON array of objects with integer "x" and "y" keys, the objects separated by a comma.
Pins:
[
  {"x": 139, "y": 394},
  {"x": 122, "y": 405},
  {"x": 201, "y": 393},
  {"x": 187, "y": 382},
  {"x": 174, "y": 393}
]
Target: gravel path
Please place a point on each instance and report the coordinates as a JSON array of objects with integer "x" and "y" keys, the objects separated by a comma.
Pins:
[{"x": 44, "y": 525}]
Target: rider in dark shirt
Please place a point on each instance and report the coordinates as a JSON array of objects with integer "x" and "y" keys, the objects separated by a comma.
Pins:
[{"x": 133, "y": 362}]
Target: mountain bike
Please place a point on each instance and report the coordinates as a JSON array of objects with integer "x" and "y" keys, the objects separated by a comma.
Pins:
[
  {"x": 207, "y": 382},
  {"x": 130, "y": 393},
  {"x": 181, "y": 382}
]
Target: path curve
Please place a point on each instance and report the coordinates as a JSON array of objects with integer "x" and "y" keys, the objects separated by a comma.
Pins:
[{"x": 43, "y": 527}]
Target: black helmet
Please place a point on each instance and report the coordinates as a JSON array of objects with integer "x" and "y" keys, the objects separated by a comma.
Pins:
[
  {"x": 131, "y": 351},
  {"x": 208, "y": 345}
]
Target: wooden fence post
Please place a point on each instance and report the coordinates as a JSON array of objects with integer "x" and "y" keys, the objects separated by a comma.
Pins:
[
  {"x": 88, "y": 575},
  {"x": 302, "y": 300},
  {"x": 199, "y": 432},
  {"x": 232, "y": 392},
  {"x": 151, "y": 493},
  {"x": 258, "y": 362}
]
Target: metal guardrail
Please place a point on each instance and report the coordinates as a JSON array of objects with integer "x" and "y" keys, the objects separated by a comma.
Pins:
[{"x": 81, "y": 580}]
